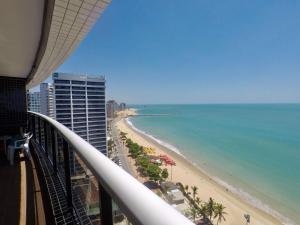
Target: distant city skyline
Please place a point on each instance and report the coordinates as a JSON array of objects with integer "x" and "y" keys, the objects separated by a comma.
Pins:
[{"x": 200, "y": 52}]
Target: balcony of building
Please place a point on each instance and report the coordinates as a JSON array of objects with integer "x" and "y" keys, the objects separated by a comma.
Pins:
[
  {"x": 65, "y": 180},
  {"x": 22, "y": 192},
  {"x": 48, "y": 174}
]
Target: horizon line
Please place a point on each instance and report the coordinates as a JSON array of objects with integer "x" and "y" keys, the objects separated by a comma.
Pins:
[{"x": 219, "y": 103}]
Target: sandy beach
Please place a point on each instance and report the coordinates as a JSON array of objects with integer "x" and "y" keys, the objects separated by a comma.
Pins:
[{"x": 186, "y": 173}]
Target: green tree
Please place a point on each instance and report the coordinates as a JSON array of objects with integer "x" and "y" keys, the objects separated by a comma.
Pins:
[
  {"x": 219, "y": 212},
  {"x": 194, "y": 202},
  {"x": 191, "y": 212},
  {"x": 134, "y": 150},
  {"x": 153, "y": 172},
  {"x": 123, "y": 134},
  {"x": 202, "y": 211},
  {"x": 198, "y": 202},
  {"x": 143, "y": 161},
  {"x": 129, "y": 142},
  {"x": 210, "y": 206},
  {"x": 164, "y": 174},
  {"x": 110, "y": 144},
  {"x": 194, "y": 192},
  {"x": 186, "y": 189}
]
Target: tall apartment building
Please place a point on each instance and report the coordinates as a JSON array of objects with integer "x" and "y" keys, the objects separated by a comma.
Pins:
[
  {"x": 47, "y": 99},
  {"x": 33, "y": 100},
  {"x": 122, "y": 106},
  {"x": 80, "y": 105},
  {"x": 112, "y": 108}
]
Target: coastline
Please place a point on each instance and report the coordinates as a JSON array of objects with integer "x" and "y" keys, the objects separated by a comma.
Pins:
[{"x": 190, "y": 174}]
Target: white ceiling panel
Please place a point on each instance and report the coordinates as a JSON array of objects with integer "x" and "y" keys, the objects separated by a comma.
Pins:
[{"x": 20, "y": 31}]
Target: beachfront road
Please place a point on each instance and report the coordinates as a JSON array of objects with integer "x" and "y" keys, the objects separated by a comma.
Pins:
[{"x": 120, "y": 148}]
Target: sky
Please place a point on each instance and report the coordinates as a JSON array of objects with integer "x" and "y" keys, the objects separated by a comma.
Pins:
[{"x": 195, "y": 51}]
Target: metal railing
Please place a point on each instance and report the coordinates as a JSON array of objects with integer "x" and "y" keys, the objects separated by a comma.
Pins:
[{"x": 67, "y": 153}]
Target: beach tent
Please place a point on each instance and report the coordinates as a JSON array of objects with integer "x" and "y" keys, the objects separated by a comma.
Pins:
[
  {"x": 149, "y": 150},
  {"x": 168, "y": 160}
]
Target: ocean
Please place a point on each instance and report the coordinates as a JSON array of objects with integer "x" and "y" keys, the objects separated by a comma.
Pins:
[{"x": 252, "y": 149}]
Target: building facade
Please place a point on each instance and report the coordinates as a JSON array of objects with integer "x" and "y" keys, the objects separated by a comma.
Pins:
[
  {"x": 34, "y": 101},
  {"x": 112, "y": 108},
  {"x": 122, "y": 106},
  {"x": 80, "y": 105},
  {"x": 47, "y": 99}
]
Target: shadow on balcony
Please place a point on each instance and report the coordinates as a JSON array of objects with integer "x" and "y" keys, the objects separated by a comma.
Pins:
[
  {"x": 10, "y": 192},
  {"x": 21, "y": 199}
]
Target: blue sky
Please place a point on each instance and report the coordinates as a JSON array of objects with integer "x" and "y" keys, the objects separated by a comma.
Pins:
[{"x": 195, "y": 51}]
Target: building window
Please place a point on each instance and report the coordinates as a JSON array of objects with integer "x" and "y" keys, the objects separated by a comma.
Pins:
[
  {"x": 61, "y": 81},
  {"x": 78, "y": 82}
]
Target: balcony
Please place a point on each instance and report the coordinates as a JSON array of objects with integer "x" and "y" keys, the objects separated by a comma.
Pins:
[
  {"x": 22, "y": 194},
  {"x": 85, "y": 187},
  {"x": 66, "y": 180}
]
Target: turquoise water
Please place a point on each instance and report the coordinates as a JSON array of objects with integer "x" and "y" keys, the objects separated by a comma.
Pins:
[{"x": 252, "y": 149}]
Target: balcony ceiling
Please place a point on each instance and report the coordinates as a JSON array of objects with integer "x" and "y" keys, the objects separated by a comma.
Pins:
[
  {"x": 20, "y": 31},
  {"x": 35, "y": 40}
]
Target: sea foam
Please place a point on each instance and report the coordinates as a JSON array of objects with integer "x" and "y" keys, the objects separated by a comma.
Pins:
[
  {"x": 255, "y": 202},
  {"x": 163, "y": 143}
]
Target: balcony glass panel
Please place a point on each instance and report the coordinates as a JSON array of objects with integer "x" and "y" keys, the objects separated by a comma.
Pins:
[
  {"x": 62, "y": 116},
  {"x": 78, "y": 97},
  {"x": 96, "y": 88},
  {"x": 61, "y": 81},
  {"x": 78, "y": 88},
  {"x": 62, "y": 97},
  {"x": 78, "y": 120},
  {"x": 60, "y": 158},
  {"x": 78, "y": 106},
  {"x": 95, "y": 101},
  {"x": 67, "y": 107},
  {"x": 62, "y": 102},
  {"x": 78, "y": 82},
  {"x": 96, "y": 97},
  {"x": 79, "y": 101},
  {"x": 78, "y": 92},
  {"x": 79, "y": 111},
  {"x": 85, "y": 190},
  {"x": 81, "y": 116},
  {"x": 57, "y": 87},
  {"x": 94, "y": 83},
  {"x": 96, "y": 93},
  {"x": 62, "y": 92}
]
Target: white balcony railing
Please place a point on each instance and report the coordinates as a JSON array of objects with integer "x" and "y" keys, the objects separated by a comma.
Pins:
[{"x": 137, "y": 202}]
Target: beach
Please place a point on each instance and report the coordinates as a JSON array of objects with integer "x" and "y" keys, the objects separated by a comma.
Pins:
[{"x": 188, "y": 174}]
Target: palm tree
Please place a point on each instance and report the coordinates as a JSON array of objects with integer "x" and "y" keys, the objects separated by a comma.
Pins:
[
  {"x": 219, "y": 213},
  {"x": 194, "y": 190},
  {"x": 198, "y": 201},
  {"x": 210, "y": 205},
  {"x": 186, "y": 188},
  {"x": 202, "y": 211},
  {"x": 191, "y": 212}
]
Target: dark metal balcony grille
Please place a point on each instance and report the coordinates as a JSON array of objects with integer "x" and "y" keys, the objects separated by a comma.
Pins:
[
  {"x": 55, "y": 177},
  {"x": 83, "y": 183},
  {"x": 61, "y": 211}
]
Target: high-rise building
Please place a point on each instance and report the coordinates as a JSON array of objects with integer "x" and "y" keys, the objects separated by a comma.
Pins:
[
  {"x": 80, "y": 105},
  {"x": 122, "y": 106},
  {"x": 51, "y": 110},
  {"x": 112, "y": 107},
  {"x": 34, "y": 101},
  {"x": 47, "y": 99}
]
